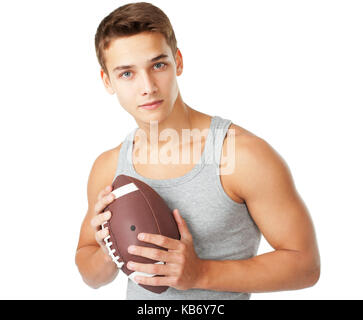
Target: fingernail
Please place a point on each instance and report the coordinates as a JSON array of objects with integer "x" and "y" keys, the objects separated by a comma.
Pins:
[
  {"x": 141, "y": 236},
  {"x": 131, "y": 249},
  {"x": 110, "y": 196}
]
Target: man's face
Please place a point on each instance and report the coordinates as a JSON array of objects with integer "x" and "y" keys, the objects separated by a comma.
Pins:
[{"x": 145, "y": 81}]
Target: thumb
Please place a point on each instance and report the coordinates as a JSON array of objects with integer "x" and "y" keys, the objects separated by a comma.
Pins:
[{"x": 182, "y": 226}]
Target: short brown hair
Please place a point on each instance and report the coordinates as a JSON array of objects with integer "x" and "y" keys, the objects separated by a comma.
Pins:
[{"x": 131, "y": 19}]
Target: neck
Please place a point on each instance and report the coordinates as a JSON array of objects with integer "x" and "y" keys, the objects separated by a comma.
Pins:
[{"x": 181, "y": 118}]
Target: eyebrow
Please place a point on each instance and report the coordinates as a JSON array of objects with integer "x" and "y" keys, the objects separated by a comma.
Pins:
[{"x": 161, "y": 56}]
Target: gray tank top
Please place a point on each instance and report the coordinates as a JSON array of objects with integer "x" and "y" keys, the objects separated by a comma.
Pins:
[{"x": 222, "y": 229}]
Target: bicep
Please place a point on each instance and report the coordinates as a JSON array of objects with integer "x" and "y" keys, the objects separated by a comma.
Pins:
[
  {"x": 101, "y": 175},
  {"x": 272, "y": 199}
]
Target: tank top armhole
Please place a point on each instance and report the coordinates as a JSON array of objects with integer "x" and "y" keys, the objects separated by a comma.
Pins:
[
  {"x": 122, "y": 156},
  {"x": 220, "y": 136}
]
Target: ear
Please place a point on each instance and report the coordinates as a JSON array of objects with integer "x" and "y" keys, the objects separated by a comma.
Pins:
[
  {"x": 179, "y": 62},
  {"x": 107, "y": 82}
]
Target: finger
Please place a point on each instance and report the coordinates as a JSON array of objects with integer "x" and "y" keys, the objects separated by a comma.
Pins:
[
  {"x": 150, "y": 268},
  {"x": 103, "y": 202},
  {"x": 98, "y": 220},
  {"x": 154, "y": 254},
  {"x": 182, "y": 226},
  {"x": 104, "y": 192},
  {"x": 159, "y": 240},
  {"x": 156, "y": 281},
  {"x": 102, "y": 218},
  {"x": 101, "y": 235}
]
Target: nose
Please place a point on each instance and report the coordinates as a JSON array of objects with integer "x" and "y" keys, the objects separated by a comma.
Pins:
[{"x": 148, "y": 85}]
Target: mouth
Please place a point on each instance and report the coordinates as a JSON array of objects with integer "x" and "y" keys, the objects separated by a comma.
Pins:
[{"x": 152, "y": 105}]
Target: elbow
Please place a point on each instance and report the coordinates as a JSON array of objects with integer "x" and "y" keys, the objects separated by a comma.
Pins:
[
  {"x": 312, "y": 278},
  {"x": 86, "y": 280},
  {"x": 306, "y": 270},
  {"x": 91, "y": 284},
  {"x": 312, "y": 273},
  {"x": 315, "y": 276}
]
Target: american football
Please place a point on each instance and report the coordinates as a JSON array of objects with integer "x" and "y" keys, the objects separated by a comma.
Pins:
[{"x": 136, "y": 208}]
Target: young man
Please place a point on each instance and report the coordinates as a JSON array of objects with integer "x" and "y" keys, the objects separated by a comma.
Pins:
[{"x": 220, "y": 213}]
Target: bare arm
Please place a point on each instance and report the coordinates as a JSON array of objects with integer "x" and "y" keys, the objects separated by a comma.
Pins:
[
  {"x": 92, "y": 260},
  {"x": 264, "y": 181}
]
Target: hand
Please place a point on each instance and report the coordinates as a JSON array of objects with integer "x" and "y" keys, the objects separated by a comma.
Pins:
[
  {"x": 104, "y": 198},
  {"x": 182, "y": 269}
]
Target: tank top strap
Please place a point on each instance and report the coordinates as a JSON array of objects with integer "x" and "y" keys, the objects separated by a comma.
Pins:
[
  {"x": 209, "y": 162},
  {"x": 128, "y": 147},
  {"x": 219, "y": 134},
  {"x": 217, "y": 124},
  {"x": 123, "y": 159}
]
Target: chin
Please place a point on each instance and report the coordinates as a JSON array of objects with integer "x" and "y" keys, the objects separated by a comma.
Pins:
[
  {"x": 155, "y": 115},
  {"x": 159, "y": 117}
]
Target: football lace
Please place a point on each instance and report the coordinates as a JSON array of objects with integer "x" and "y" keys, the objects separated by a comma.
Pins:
[{"x": 111, "y": 251}]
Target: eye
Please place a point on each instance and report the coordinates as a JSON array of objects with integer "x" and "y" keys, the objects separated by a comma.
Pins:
[
  {"x": 159, "y": 64},
  {"x": 122, "y": 75},
  {"x": 128, "y": 72}
]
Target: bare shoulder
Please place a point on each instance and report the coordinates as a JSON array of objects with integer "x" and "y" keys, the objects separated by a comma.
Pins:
[
  {"x": 250, "y": 147},
  {"x": 253, "y": 161},
  {"x": 101, "y": 175},
  {"x": 102, "y": 172},
  {"x": 263, "y": 179}
]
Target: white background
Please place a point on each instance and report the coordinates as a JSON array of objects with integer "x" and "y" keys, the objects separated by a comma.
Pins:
[{"x": 289, "y": 71}]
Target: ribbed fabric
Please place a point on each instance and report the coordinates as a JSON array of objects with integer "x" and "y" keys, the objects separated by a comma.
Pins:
[{"x": 222, "y": 229}]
